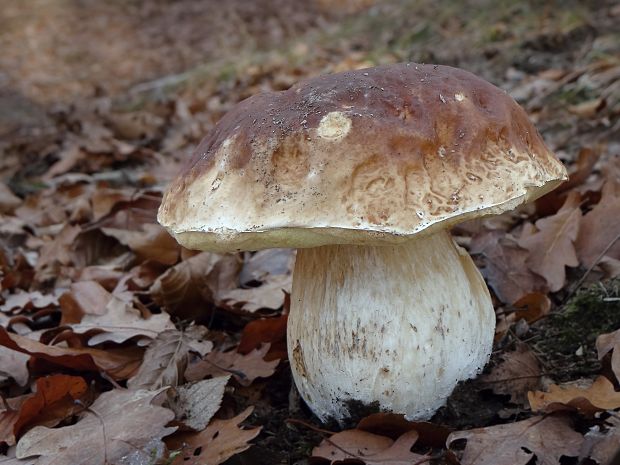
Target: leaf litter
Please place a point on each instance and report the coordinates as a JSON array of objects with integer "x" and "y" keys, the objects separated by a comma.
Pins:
[{"x": 103, "y": 314}]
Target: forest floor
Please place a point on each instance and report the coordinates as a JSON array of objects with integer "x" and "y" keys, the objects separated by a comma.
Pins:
[{"x": 99, "y": 104}]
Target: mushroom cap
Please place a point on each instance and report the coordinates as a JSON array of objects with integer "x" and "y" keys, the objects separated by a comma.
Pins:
[{"x": 371, "y": 156}]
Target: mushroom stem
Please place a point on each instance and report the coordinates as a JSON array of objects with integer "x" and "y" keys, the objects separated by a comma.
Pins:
[{"x": 395, "y": 325}]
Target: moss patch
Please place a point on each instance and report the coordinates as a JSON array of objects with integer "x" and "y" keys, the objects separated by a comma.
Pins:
[{"x": 569, "y": 336}]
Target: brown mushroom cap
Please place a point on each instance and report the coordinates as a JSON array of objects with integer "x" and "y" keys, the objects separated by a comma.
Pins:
[{"x": 370, "y": 156}]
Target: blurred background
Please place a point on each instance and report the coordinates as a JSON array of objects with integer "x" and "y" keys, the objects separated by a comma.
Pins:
[{"x": 159, "y": 73}]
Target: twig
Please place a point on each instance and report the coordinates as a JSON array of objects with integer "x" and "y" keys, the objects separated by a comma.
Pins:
[
  {"x": 324, "y": 432},
  {"x": 518, "y": 377},
  {"x": 589, "y": 270},
  {"x": 316, "y": 429}
]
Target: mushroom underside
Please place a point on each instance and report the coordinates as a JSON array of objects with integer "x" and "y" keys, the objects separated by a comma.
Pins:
[{"x": 395, "y": 325}]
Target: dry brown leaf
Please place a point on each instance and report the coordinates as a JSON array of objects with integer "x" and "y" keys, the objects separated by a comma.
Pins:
[
  {"x": 9, "y": 415},
  {"x": 369, "y": 448},
  {"x": 266, "y": 330},
  {"x": 55, "y": 399},
  {"x": 167, "y": 357},
  {"x": 119, "y": 363},
  {"x": 505, "y": 268},
  {"x": 600, "y": 227},
  {"x": 394, "y": 425},
  {"x": 552, "y": 246},
  {"x": 8, "y": 200},
  {"x": 269, "y": 295},
  {"x": 83, "y": 298},
  {"x": 606, "y": 343},
  {"x": 27, "y": 301},
  {"x": 152, "y": 242},
  {"x": 121, "y": 426},
  {"x": 13, "y": 365},
  {"x": 517, "y": 373},
  {"x": 195, "y": 404},
  {"x": 532, "y": 307},
  {"x": 598, "y": 397},
  {"x": 265, "y": 263},
  {"x": 58, "y": 250},
  {"x": 186, "y": 287},
  {"x": 548, "y": 438},
  {"x": 608, "y": 446},
  {"x": 217, "y": 443},
  {"x": 120, "y": 322},
  {"x": 245, "y": 368}
]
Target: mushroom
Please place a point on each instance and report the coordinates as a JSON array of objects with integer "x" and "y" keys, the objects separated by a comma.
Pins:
[{"x": 365, "y": 172}]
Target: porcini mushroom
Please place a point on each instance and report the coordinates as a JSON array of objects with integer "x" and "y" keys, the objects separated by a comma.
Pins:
[{"x": 364, "y": 172}]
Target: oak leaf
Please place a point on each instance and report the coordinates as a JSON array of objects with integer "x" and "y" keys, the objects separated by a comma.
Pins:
[
  {"x": 552, "y": 244},
  {"x": 119, "y": 363},
  {"x": 369, "y": 448},
  {"x": 54, "y": 400},
  {"x": 265, "y": 330},
  {"x": 152, "y": 242},
  {"x": 214, "y": 445},
  {"x": 548, "y": 438},
  {"x": 8, "y": 200},
  {"x": 600, "y": 227},
  {"x": 605, "y": 450},
  {"x": 269, "y": 295},
  {"x": 244, "y": 368},
  {"x": 186, "y": 288},
  {"x": 120, "y": 322},
  {"x": 505, "y": 268},
  {"x": 606, "y": 343},
  {"x": 595, "y": 398},
  {"x": 121, "y": 426},
  {"x": 517, "y": 373},
  {"x": 167, "y": 357}
]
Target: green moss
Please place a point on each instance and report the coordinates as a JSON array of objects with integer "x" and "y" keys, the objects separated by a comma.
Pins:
[{"x": 569, "y": 336}]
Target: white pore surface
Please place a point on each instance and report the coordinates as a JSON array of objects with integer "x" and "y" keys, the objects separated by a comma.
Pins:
[{"x": 398, "y": 325}]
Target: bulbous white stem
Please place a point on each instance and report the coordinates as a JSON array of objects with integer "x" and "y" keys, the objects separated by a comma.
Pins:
[{"x": 397, "y": 325}]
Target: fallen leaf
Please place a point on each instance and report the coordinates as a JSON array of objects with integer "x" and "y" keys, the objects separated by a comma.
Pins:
[
  {"x": 217, "y": 443},
  {"x": 265, "y": 263},
  {"x": 548, "y": 438},
  {"x": 269, "y": 295},
  {"x": 552, "y": 246},
  {"x": 607, "y": 448},
  {"x": 8, "y": 200},
  {"x": 606, "y": 343},
  {"x": 58, "y": 250},
  {"x": 13, "y": 365},
  {"x": 119, "y": 363},
  {"x": 395, "y": 425},
  {"x": 55, "y": 399},
  {"x": 598, "y": 397},
  {"x": 245, "y": 368},
  {"x": 83, "y": 298},
  {"x": 505, "y": 268},
  {"x": 368, "y": 448},
  {"x": 9, "y": 415},
  {"x": 195, "y": 404},
  {"x": 121, "y": 426},
  {"x": 27, "y": 301},
  {"x": 532, "y": 307},
  {"x": 517, "y": 373},
  {"x": 167, "y": 357},
  {"x": 120, "y": 322},
  {"x": 186, "y": 288},
  {"x": 600, "y": 227},
  {"x": 152, "y": 242},
  {"x": 265, "y": 330}
]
